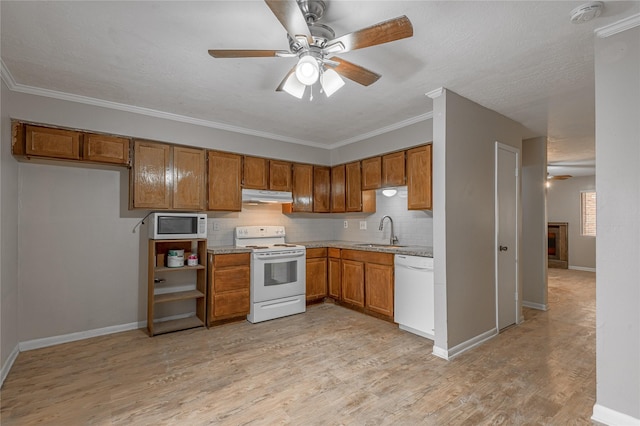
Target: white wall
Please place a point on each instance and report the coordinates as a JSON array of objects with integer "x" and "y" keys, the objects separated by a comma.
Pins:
[
  {"x": 464, "y": 136},
  {"x": 617, "y": 71},
  {"x": 563, "y": 205},
  {"x": 534, "y": 223},
  {"x": 9, "y": 242}
]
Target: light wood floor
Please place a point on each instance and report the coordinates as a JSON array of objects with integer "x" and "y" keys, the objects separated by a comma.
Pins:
[{"x": 328, "y": 366}]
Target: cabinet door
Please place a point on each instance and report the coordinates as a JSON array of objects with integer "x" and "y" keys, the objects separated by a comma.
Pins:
[
  {"x": 225, "y": 177},
  {"x": 321, "y": 189},
  {"x": 371, "y": 173},
  {"x": 151, "y": 175},
  {"x": 334, "y": 275},
  {"x": 255, "y": 173},
  {"x": 393, "y": 169},
  {"x": 302, "y": 188},
  {"x": 338, "y": 189},
  {"x": 316, "y": 273},
  {"x": 419, "y": 172},
  {"x": 379, "y": 288},
  {"x": 279, "y": 175},
  {"x": 189, "y": 165},
  {"x": 231, "y": 279},
  {"x": 353, "y": 282},
  {"x": 105, "y": 149},
  {"x": 353, "y": 187},
  {"x": 53, "y": 143}
]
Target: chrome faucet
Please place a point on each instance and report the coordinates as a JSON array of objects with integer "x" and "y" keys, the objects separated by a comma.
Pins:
[{"x": 393, "y": 239}]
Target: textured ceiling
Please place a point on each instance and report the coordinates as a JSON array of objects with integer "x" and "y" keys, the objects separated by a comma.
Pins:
[{"x": 522, "y": 59}]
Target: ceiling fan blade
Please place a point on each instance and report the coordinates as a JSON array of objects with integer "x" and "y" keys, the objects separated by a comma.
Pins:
[
  {"x": 383, "y": 32},
  {"x": 290, "y": 16},
  {"x": 354, "y": 72},
  {"x": 560, "y": 177},
  {"x": 239, "y": 53}
]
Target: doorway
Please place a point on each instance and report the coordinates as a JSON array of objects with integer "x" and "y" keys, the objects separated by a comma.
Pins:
[{"x": 506, "y": 234}]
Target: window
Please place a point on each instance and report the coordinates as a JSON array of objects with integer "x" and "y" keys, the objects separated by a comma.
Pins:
[{"x": 588, "y": 213}]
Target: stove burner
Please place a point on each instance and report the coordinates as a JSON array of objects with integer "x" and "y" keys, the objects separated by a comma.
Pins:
[
  {"x": 257, "y": 247},
  {"x": 284, "y": 245}
]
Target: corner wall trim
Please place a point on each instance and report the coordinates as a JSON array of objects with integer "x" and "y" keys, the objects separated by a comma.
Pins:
[
  {"x": 533, "y": 305},
  {"x": 618, "y": 27},
  {"x": 7, "y": 365},
  {"x": 72, "y": 337},
  {"x": 449, "y": 354},
  {"x": 611, "y": 417},
  {"x": 582, "y": 268}
]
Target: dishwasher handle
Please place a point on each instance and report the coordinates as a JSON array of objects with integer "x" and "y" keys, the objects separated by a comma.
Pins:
[
  {"x": 414, "y": 263},
  {"x": 415, "y": 268}
]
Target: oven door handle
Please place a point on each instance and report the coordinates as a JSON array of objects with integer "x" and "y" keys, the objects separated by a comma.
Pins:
[{"x": 264, "y": 256}]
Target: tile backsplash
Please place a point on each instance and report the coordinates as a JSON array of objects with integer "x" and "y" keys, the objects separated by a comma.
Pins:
[{"x": 411, "y": 227}]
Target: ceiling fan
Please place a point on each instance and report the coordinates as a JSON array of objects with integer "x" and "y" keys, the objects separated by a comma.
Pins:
[
  {"x": 559, "y": 177},
  {"x": 315, "y": 46}
]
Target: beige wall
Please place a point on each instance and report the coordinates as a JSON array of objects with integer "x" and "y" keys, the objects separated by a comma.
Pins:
[
  {"x": 617, "y": 67},
  {"x": 464, "y": 137},
  {"x": 534, "y": 223},
  {"x": 563, "y": 205}
]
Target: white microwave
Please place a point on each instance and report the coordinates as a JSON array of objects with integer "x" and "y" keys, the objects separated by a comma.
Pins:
[{"x": 170, "y": 226}]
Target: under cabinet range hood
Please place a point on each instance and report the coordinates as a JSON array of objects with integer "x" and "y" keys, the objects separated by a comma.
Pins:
[{"x": 260, "y": 196}]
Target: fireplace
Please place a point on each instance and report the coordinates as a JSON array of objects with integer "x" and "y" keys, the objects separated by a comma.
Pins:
[{"x": 558, "y": 245}]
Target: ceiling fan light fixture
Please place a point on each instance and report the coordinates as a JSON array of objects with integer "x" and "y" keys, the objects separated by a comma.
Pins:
[
  {"x": 307, "y": 70},
  {"x": 293, "y": 87},
  {"x": 331, "y": 82}
]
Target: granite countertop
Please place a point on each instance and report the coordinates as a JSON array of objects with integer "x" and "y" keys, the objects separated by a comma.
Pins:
[{"x": 423, "y": 251}]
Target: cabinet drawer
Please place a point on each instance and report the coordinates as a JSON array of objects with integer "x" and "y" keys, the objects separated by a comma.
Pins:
[
  {"x": 334, "y": 252},
  {"x": 233, "y": 303},
  {"x": 368, "y": 256},
  {"x": 316, "y": 252},
  {"x": 224, "y": 260},
  {"x": 230, "y": 279}
]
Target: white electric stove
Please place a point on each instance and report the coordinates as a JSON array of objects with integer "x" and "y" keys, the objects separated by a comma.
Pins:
[{"x": 278, "y": 284}]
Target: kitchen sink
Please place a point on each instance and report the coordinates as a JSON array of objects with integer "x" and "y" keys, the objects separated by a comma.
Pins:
[{"x": 378, "y": 245}]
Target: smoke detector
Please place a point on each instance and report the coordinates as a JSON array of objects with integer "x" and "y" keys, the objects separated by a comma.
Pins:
[{"x": 586, "y": 12}]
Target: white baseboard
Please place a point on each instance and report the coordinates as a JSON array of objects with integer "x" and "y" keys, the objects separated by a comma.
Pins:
[
  {"x": 611, "y": 417},
  {"x": 582, "y": 268},
  {"x": 7, "y": 365},
  {"x": 449, "y": 354},
  {"x": 533, "y": 305},
  {"x": 72, "y": 337}
]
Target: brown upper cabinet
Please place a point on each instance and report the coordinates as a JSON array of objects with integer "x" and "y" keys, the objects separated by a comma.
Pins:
[
  {"x": 225, "y": 181},
  {"x": 279, "y": 175},
  {"x": 302, "y": 190},
  {"x": 353, "y": 183},
  {"x": 393, "y": 169},
  {"x": 255, "y": 173},
  {"x": 53, "y": 143},
  {"x": 371, "y": 173},
  {"x": 167, "y": 177},
  {"x": 321, "y": 189},
  {"x": 419, "y": 173},
  {"x": 338, "y": 189}
]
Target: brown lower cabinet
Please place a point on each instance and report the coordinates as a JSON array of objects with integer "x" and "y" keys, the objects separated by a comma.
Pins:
[
  {"x": 229, "y": 283},
  {"x": 316, "y": 274},
  {"x": 334, "y": 273},
  {"x": 367, "y": 281}
]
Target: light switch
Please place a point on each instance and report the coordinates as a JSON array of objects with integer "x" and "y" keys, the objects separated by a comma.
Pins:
[{"x": 363, "y": 224}]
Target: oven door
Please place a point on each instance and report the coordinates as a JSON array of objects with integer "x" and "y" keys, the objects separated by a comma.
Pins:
[{"x": 277, "y": 274}]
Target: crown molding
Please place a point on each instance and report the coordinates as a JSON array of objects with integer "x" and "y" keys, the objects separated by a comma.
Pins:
[
  {"x": 435, "y": 93},
  {"x": 30, "y": 90},
  {"x": 618, "y": 27},
  {"x": 382, "y": 130}
]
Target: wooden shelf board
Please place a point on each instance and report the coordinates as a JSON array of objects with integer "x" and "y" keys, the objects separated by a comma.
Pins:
[
  {"x": 181, "y": 268},
  {"x": 179, "y": 295},
  {"x": 177, "y": 324}
]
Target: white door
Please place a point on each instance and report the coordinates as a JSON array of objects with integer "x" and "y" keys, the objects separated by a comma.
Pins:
[{"x": 506, "y": 263}]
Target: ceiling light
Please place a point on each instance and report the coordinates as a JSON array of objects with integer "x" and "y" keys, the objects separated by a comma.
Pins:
[
  {"x": 293, "y": 87},
  {"x": 389, "y": 192},
  {"x": 307, "y": 70},
  {"x": 586, "y": 12},
  {"x": 331, "y": 82}
]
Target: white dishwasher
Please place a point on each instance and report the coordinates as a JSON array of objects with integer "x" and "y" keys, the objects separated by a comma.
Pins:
[{"x": 413, "y": 299}]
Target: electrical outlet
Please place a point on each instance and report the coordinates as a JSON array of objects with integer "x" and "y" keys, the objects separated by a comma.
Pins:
[
  {"x": 346, "y": 224},
  {"x": 363, "y": 224},
  {"x": 216, "y": 226}
]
